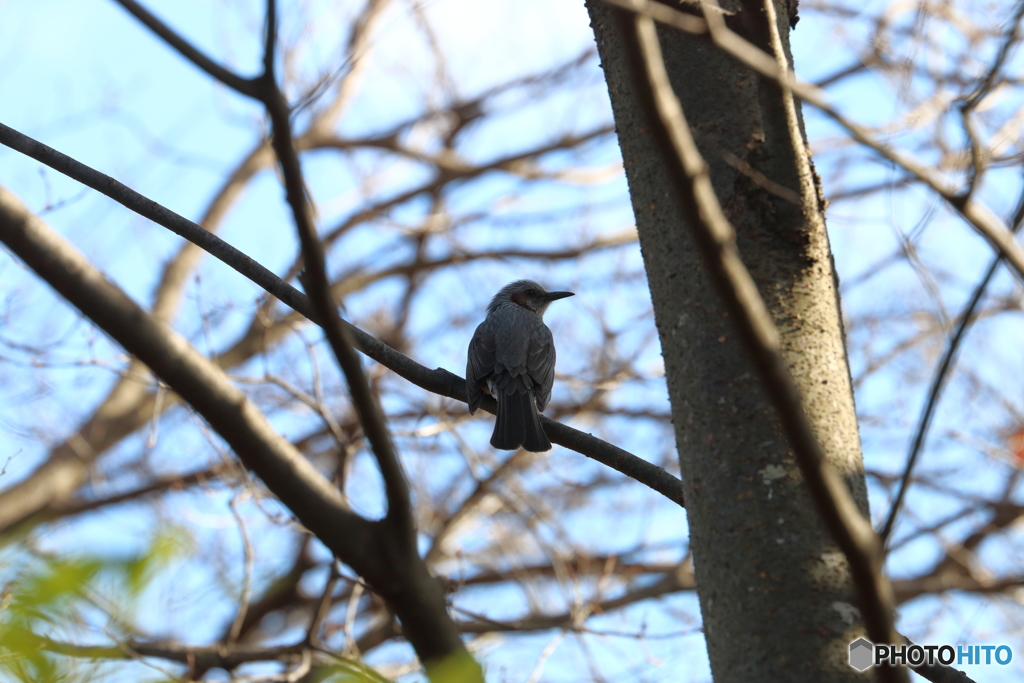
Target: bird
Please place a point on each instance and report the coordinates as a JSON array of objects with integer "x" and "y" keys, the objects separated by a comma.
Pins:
[{"x": 512, "y": 357}]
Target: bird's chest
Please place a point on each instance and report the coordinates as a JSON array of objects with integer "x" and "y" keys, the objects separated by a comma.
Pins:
[{"x": 515, "y": 329}]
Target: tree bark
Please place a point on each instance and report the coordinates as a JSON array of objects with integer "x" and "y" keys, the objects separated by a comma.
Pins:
[{"x": 776, "y": 595}]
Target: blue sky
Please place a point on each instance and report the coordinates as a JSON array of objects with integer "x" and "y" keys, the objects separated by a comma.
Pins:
[{"x": 85, "y": 78}]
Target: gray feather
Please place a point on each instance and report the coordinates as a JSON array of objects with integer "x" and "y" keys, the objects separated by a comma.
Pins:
[{"x": 512, "y": 356}]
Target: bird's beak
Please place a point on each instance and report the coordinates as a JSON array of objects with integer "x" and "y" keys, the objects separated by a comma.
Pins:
[{"x": 555, "y": 296}]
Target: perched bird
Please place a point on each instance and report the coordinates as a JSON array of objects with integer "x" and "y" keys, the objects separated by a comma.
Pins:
[{"x": 512, "y": 357}]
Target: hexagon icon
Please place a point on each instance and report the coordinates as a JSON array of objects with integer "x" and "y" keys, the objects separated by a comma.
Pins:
[{"x": 862, "y": 654}]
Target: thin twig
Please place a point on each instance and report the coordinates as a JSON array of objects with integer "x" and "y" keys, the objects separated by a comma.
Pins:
[
  {"x": 801, "y": 156},
  {"x": 351, "y": 646},
  {"x": 250, "y": 562},
  {"x": 245, "y": 86},
  {"x": 987, "y": 83},
  {"x": 323, "y": 607},
  {"x": 971, "y": 102},
  {"x": 544, "y": 656},
  {"x": 943, "y": 369},
  {"x": 177, "y": 481},
  {"x": 466, "y": 507}
]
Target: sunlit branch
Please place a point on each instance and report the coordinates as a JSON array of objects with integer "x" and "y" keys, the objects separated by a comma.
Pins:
[{"x": 970, "y": 103}]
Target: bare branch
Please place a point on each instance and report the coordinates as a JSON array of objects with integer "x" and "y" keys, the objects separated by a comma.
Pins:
[
  {"x": 971, "y": 102},
  {"x": 318, "y": 289},
  {"x": 192, "y": 376},
  {"x": 942, "y": 371},
  {"x": 438, "y": 381},
  {"x": 177, "y": 481},
  {"x": 244, "y": 86},
  {"x": 408, "y": 590},
  {"x": 1009, "y": 42},
  {"x": 680, "y": 579},
  {"x": 269, "y": 43},
  {"x": 198, "y": 657},
  {"x": 250, "y": 561},
  {"x": 394, "y": 569}
]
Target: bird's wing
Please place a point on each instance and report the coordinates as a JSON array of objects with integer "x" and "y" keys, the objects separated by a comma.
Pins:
[
  {"x": 480, "y": 361},
  {"x": 540, "y": 362}
]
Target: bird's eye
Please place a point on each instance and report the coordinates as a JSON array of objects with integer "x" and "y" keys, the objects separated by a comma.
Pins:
[{"x": 531, "y": 292}]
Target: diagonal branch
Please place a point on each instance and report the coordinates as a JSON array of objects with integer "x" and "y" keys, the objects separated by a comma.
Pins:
[
  {"x": 244, "y": 86},
  {"x": 292, "y": 478},
  {"x": 438, "y": 381},
  {"x": 392, "y": 568},
  {"x": 970, "y": 103},
  {"x": 942, "y": 371}
]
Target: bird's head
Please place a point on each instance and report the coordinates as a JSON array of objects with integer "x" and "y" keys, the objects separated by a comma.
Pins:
[{"x": 528, "y": 294}]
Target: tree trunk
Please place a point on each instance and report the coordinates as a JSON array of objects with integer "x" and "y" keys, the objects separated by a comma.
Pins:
[{"x": 775, "y": 592}]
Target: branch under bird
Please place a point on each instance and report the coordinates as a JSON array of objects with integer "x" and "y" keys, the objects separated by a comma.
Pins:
[{"x": 512, "y": 357}]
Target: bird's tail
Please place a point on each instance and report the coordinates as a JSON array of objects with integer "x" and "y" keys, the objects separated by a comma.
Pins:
[{"x": 518, "y": 424}]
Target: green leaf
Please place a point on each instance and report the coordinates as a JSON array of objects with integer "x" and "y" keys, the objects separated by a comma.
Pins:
[{"x": 52, "y": 587}]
